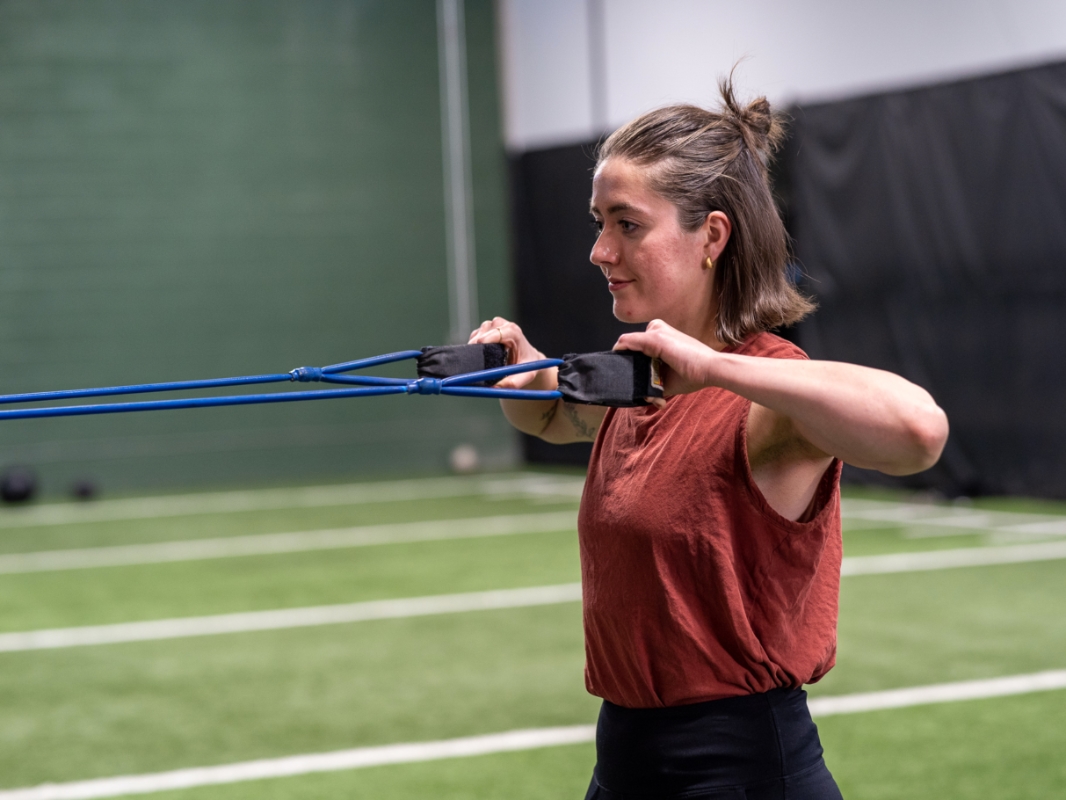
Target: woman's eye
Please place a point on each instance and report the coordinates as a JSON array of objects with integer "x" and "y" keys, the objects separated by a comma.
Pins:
[
  {"x": 596, "y": 225},
  {"x": 627, "y": 226}
]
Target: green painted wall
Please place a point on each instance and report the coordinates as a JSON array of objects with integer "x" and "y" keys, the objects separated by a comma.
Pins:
[{"x": 203, "y": 188}]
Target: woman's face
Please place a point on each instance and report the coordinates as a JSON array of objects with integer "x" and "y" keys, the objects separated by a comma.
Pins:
[{"x": 654, "y": 268}]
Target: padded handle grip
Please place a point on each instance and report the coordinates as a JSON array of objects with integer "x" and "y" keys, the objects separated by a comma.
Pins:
[
  {"x": 459, "y": 359},
  {"x": 619, "y": 378}
]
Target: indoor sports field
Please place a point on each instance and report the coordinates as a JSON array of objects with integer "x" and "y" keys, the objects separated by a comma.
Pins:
[
  {"x": 210, "y": 209},
  {"x": 87, "y": 696}
]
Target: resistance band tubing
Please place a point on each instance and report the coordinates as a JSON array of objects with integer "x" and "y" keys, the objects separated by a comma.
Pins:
[
  {"x": 365, "y": 380},
  {"x": 503, "y": 394},
  {"x": 368, "y": 386},
  {"x": 501, "y": 372},
  {"x": 199, "y": 402},
  {"x": 374, "y": 361},
  {"x": 69, "y": 394}
]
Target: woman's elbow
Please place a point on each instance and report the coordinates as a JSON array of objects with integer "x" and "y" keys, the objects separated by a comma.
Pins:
[{"x": 926, "y": 433}]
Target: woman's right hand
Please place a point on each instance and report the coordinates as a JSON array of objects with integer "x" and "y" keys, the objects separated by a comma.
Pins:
[
  {"x": 519, "y": 351},
  {"x": 552, "y": 420}
]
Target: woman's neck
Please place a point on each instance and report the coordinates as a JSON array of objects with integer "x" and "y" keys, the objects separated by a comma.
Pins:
[{"x": 700, "y": 326}]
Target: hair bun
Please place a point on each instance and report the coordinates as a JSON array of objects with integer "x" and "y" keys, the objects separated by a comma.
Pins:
[
  {"x": 759, "y": 125},
  {"x": 759, "y": 117}
]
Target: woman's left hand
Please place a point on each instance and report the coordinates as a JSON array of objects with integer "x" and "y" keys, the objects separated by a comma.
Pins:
[{"x": 687, "y": 362}]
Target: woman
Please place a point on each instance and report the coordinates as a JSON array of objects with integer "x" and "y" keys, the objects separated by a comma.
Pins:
[{"x": 710, "y": 522}]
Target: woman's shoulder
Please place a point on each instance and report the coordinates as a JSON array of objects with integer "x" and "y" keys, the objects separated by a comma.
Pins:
[{"x": 768, "y": 345}]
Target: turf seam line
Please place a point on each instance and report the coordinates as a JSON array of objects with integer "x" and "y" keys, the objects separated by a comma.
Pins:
[
  {"x": 295, "y": 542},
  {"x": 303, "y": 617},
  {"x": 530, "y": 483},
  {"x": 508, "y": 741}
]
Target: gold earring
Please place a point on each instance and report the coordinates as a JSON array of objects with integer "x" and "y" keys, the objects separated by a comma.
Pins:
[{"x": 707, "y": 263}]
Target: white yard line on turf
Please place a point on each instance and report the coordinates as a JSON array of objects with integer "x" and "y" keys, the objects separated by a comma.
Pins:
[
  {"x": 509, "y": 741},
  {"x": 306, "y": 764},
  {"x": 181, "y": 627},
  {"x": 952, "y": 559},
  {"x": 468, "y": 528},
  {"x": 938, "y": 693},
  {"x": 926, "y": 520},
  {"x": 453, "y": 603},
  {"x": 529, "y": 483},
  {"x": 273, "y": 543}
]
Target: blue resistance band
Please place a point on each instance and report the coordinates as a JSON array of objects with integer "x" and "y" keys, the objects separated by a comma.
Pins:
[{"x": 369, "y": 386}]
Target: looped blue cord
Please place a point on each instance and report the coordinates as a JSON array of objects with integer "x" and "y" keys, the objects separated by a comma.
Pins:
[{"x": 367, "y": 386}]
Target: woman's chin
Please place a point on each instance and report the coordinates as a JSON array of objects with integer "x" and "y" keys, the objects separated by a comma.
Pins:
[{"x": 624, "y": 313}]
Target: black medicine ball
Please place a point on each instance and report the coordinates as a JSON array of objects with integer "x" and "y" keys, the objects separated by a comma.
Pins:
[
  {"x": 17, "y": 484},
  {"x": 84, "y": 489}
]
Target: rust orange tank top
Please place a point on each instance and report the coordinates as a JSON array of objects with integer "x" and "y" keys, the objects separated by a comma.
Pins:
[{"x": 694, "y": 588}]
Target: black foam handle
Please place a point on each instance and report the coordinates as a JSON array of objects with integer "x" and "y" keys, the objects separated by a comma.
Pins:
[
  {"x": 459, "y": 359},
  {"x": 619, "y": 378}
]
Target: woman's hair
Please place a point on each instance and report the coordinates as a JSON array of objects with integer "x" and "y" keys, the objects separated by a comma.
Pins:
[{"x": 704, "y": 161}]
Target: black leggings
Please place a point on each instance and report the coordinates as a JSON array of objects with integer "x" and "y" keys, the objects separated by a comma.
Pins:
[{"x": 756, "y": 747}]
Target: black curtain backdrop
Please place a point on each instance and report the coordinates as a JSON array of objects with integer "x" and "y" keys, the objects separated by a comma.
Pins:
[{"x": 932, "y": 226}]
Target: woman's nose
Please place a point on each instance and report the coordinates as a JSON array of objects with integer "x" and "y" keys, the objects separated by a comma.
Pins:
[{"x": 602, "y": 252}]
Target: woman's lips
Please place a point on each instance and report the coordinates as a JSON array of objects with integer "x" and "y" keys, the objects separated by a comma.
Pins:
[{"x": 614, "y": 286}]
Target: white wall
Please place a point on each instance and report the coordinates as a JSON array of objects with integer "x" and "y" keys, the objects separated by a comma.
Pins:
[{"x": 804, "y": 50}]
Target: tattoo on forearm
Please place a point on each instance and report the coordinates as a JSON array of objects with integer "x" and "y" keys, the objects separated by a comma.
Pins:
[
  {"x": 583, "y": 429},
  {"x": 548, "y": 416}
]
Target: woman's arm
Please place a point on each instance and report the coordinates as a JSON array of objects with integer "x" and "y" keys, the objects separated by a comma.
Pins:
[
  {"x": 866, "y": 417},
  {"x": 553, "y": 421}
]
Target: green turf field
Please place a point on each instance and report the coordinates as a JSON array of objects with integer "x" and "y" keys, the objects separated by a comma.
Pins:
[{"x": 71, "y": 713}]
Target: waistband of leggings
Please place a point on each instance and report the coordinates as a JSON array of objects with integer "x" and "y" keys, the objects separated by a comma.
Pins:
[{"x": 701, "y": 746}]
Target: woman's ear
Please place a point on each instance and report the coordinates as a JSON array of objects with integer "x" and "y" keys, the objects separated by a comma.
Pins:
[{"x": 716, "y": 228}]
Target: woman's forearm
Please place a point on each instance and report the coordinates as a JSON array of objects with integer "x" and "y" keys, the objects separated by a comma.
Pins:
[
  {"x": 530, "y": 416},
  {"x": 866, "y": 417},
  {"x": 534, "y": 416},
  {"x": 554, "y": 421},
  {"x": 551, "y": 420}
]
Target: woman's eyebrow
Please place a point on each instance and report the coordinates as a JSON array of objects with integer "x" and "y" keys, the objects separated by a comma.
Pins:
[{"x": 615, "y": 209}]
